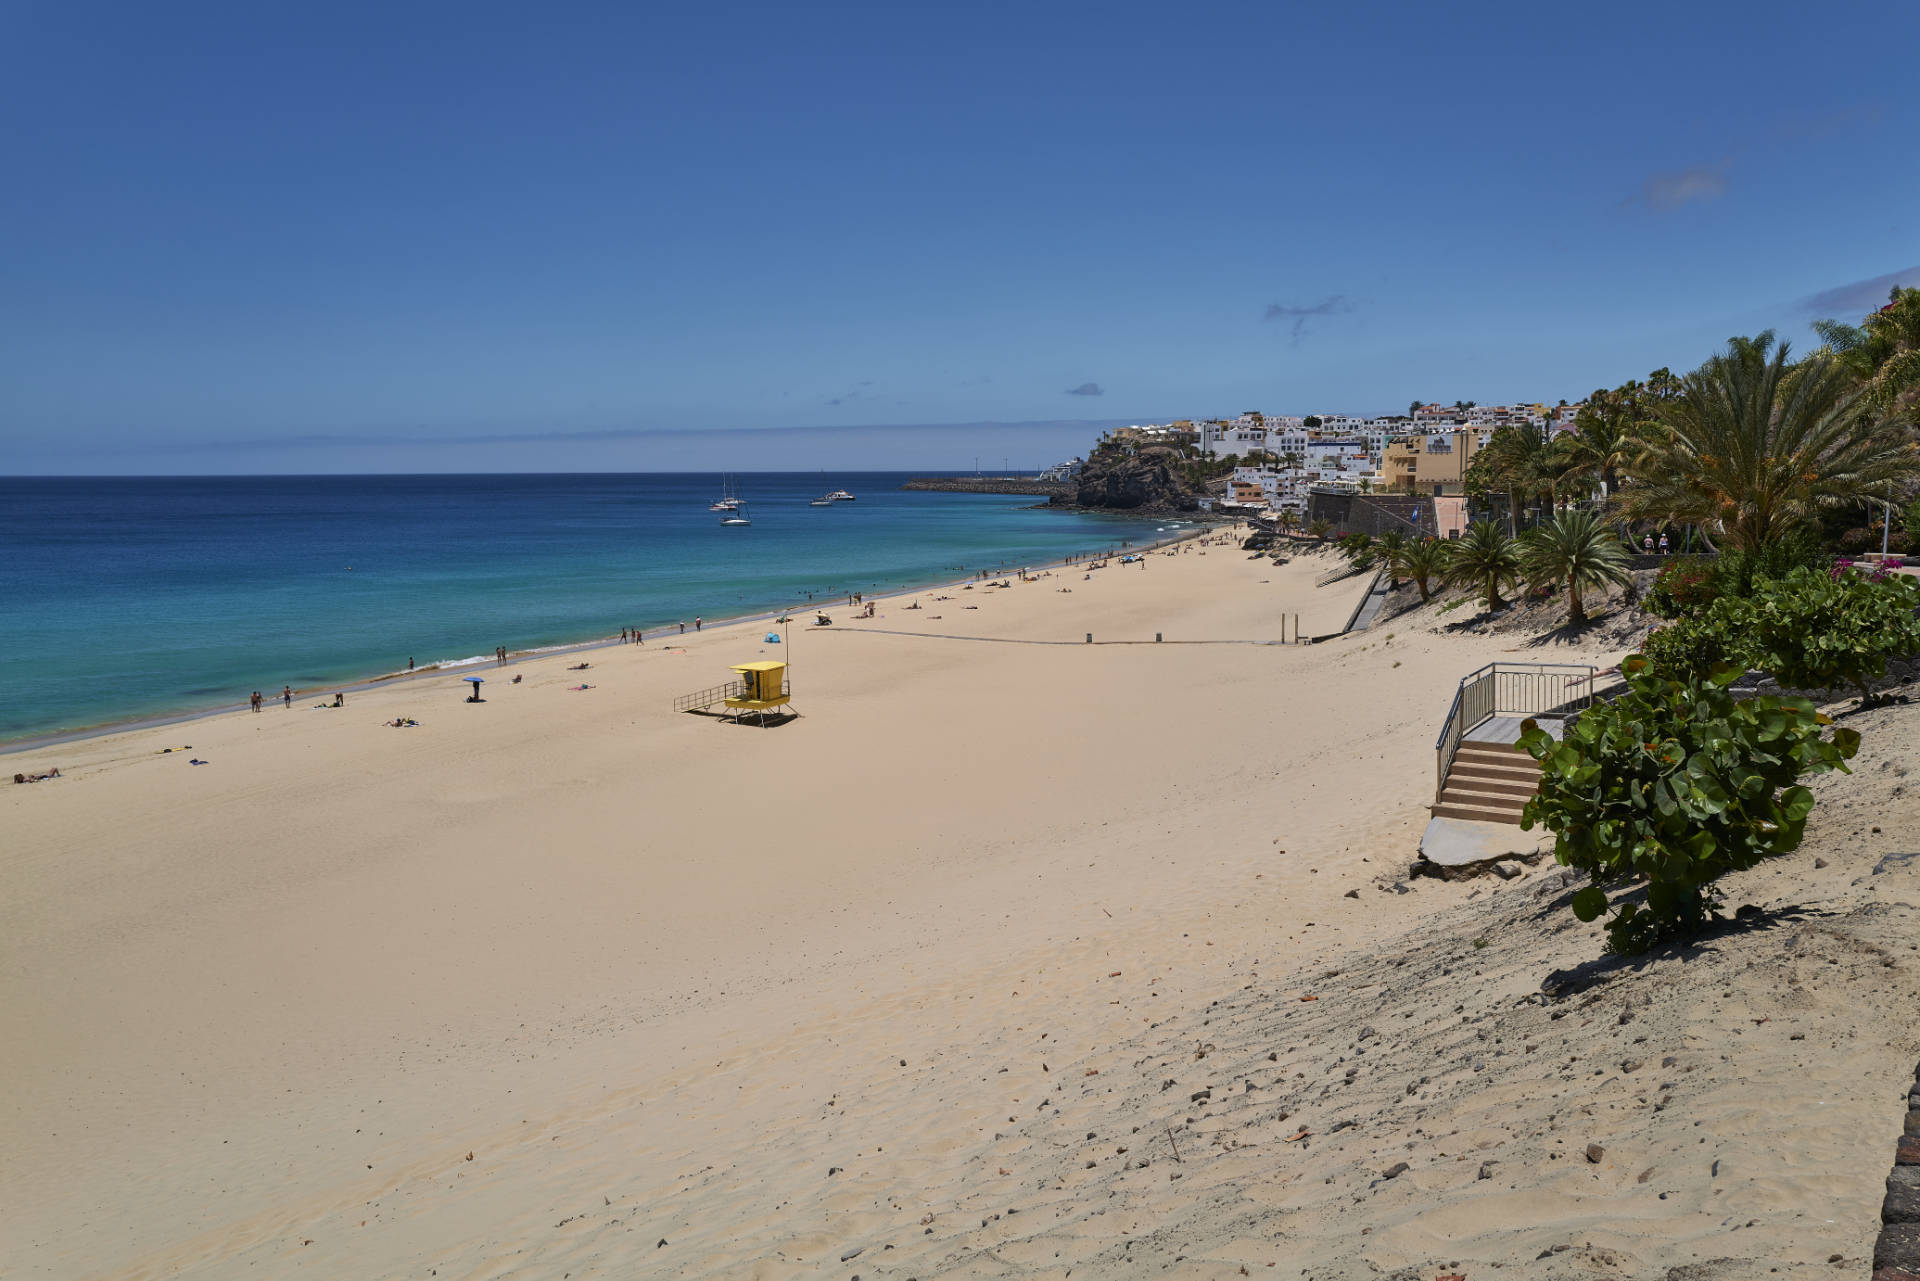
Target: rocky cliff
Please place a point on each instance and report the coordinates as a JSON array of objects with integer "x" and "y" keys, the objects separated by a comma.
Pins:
[{"x": 1151, "y": 480}]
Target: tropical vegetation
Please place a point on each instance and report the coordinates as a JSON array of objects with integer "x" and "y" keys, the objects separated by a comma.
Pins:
[
  {"x": 1575, "y": 548},
  {"x": 1675, "y": 784},
  {"x": 1485, "y": 560},
  {"x": 1424, "y": 561},
  {"x": 1754, "y": 445}
]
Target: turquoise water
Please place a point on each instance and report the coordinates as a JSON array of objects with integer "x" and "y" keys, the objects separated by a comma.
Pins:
[{"x": 123, "y": 598}]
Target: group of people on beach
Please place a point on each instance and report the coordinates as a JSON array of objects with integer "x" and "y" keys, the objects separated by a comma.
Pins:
[{"x": 286, "y": 696}]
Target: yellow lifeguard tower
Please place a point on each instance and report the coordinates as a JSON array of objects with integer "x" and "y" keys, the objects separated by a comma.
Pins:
[{"x": 763, "y": 687}]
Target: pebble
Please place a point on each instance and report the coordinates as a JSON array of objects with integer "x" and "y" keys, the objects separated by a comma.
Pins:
[
  {"x": 1395, "y": 1170},
  {"x": 1594, "y": 1153}
]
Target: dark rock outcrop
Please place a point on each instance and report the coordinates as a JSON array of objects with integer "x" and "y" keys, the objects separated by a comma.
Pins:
[{"x": 1151, "y": 480}]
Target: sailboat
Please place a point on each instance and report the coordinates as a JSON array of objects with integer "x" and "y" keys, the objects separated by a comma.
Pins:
[
  {"x": 736, "y": 515},
  {"x": 727, "y": 501}
]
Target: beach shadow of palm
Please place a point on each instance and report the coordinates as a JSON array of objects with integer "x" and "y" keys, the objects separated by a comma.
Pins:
[{"x": 1568, "y": 633}]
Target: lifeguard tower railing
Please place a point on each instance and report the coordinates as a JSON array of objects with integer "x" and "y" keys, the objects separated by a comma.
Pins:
[
  {"x": 1510, "y": 689},
  {"x": 704, "y": 698}
]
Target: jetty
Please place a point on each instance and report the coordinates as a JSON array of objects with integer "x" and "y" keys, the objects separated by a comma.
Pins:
[{"x": 1018, "y": 485}]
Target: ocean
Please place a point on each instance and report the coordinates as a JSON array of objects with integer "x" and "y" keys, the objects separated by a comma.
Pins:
[{"x": 125, "y": 598}]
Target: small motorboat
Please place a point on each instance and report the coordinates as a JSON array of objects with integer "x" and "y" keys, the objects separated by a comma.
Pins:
[
  {"x": 840, "y": 496},
  {"x": 820, "y": 502}
]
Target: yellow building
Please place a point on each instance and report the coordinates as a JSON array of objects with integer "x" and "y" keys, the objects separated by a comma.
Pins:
[{"x": 1435, "y": 464}]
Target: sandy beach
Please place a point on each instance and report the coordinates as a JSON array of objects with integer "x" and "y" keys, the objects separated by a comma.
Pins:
[{"x": 1013, "y": 956}]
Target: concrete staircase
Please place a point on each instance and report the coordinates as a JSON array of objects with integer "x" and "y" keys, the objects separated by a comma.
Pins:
[{"x": 1489, "y": 783}]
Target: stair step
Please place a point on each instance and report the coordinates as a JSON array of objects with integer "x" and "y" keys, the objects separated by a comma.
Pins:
[
  {"x": 1493, "y": 769},
  {"x": 1503, "y": 786},
  {"x": 1483, "y": 799},
  {"x": 1495, "y": 752},
  {"x": 1478, "y": 815}
]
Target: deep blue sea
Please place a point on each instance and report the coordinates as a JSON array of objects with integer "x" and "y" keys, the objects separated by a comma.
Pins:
[{"x": 123, "y": 598}]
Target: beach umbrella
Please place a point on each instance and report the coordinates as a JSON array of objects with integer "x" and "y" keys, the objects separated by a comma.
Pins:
[
  {"x": 773, "y": 638},
  {"x": 476, "y": 682}
]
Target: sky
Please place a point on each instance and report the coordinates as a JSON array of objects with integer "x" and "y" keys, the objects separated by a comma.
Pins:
[{"x": 245, "y": 238}]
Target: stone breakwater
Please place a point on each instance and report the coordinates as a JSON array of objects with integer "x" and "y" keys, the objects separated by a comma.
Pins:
[{"x": 992, "y": 485}]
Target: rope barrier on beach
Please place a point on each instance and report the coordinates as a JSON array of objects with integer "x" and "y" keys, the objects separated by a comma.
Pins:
[{"x": 1019, "y": 640}]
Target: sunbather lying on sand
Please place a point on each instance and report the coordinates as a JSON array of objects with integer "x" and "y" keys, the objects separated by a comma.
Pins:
[
  {"x": 36, "y": 778},
  {"x": 579, "y": 667}
]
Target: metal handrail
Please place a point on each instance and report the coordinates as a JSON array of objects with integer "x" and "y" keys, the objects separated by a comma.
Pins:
[
  {"x": 707, "y": 697},
  {"x": 1526, "y": 689}
]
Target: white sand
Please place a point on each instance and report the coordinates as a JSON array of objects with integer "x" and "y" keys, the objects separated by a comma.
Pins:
[{"x": 658, "y": 975}]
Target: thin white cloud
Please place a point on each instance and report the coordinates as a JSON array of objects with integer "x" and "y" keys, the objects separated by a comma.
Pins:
[
  {"x": 1675, "y": 189},
  {"x": 1849, "y": 301}
]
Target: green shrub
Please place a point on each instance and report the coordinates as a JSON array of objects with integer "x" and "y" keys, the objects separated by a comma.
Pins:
[
  {"x": 1817, "y": 631},
  {"x": 1910, "y": 521},
  {"x": 1684, "y": 589},
  {"x": 1738, "y": 571},
  {"x": 1690, "y": 648},
  {"x": 1676, "y": 783}
]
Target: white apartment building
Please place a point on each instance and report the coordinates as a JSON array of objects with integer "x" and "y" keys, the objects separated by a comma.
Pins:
[{"x": 1218, "y": 439}]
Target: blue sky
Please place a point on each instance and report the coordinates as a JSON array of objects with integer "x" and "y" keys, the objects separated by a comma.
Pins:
[{"x": 262, "y": 238}]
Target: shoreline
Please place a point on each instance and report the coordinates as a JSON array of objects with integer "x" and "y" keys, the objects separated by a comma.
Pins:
[
  {"x": 570, "y": 983},
  {"x": 387, "y": 680}
]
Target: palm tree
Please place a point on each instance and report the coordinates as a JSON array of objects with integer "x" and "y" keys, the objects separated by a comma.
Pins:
[
  {"x": 1422, "y": 560},
  {"x": 1389, "y": 547},
  {"x": 1576, "y": 549},
  {"x": 1486, "y": 560},
  {"x": 1601, "y": 442},
  {"x": 1292, "y": 458},
  {"x": 1883, "y": 351},
  {"x": 1518, "y": 460},
  {"x": 1289, "y": 519},
  {"x": 1753, "y": 446},
  {"x": 1359, "y": 550},
  {"x": 1320, "y": 528}
]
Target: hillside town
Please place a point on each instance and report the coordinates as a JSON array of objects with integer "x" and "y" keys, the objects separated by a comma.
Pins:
[{"x": 1278, "y": 460}]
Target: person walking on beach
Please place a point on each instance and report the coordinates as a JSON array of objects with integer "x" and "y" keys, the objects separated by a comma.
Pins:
[
  {"x": 409, "y": 662},
  {"x": 683, "y": 628},
  {"x": 697, "y": 622},
  {"x": 639, "y": 637},
  {"x": 256, "y": 700},
  {"x": 286, "y": 696}
]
